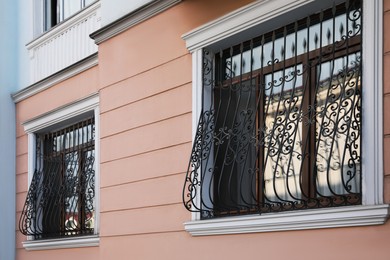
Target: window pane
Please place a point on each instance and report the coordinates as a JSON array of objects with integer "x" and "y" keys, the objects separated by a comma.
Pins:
[
  {"x": 70, "y": 7},
  {"x": 283, "y": 134},
  {"x": 88, "y": 2},
  {"x": 338, "y": 126},
  {"x": 235, "y": 153}
]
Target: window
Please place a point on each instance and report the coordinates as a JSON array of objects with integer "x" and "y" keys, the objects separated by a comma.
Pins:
[
  {"x": 61, "y": 196},
  {"x": 56, "y": 11},
  {"x": 62, "y": 199},
  {"x": 281, "y": 113}
]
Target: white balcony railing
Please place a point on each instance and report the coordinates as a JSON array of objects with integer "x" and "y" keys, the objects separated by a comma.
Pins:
[{"x": 65, "y": 44}]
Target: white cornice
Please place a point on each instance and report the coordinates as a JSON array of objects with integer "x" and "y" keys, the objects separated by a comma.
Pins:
[
  {"x": 235, "y": 22},
  {"x": 56, "y": 78},
  {"x": 297, "y": 220},
  {"x": 131, "y": 19},
  {"x": 61, "y": 243}
]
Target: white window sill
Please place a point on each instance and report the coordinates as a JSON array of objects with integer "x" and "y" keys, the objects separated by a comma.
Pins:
[
  {"x": 74, "y": 242},
  {"x": 298, "y": 220}
]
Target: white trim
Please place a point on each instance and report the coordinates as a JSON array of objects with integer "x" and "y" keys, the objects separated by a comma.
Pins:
[
  {"x": 97, "y": 169},
  {"x": 132, "y": 19},
  {"x": 235, "y": 22},
  {"x": 31, "y": 156},
  {"x": 298, "y": 220},
  {"x": 197, "y": 63},
  {"x": 373, "y": 211},
  {"x": 62, "y": 243},
  {"x": 372, "y": 154},
  {"x": 56, "y": 78}
]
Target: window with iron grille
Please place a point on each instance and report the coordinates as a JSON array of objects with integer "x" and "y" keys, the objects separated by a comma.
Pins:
[
  {"x": 61, "y": 197},
  {"x": 280, "y": 126}
]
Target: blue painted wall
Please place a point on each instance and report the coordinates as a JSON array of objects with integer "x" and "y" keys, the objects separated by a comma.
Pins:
[
  {"x": 8, "y": 84},
  {"x": 16, "y": 30}
]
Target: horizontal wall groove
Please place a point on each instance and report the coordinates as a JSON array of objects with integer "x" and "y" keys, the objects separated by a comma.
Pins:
[
  {"x": 140, "y": 208},
  {"x": 144, "y": 125},
  {"x": 21, "y": 192},
  {"x": 145, "y": 98},
  {"x": 146, "y": 152},
  {"x": 22, "y": 135},
  {"x": 144, "y": 71},
  {"x": 22, "y": 154},
  {"x": 143, "y": 180},
  {"x": 145, "y": 233}
]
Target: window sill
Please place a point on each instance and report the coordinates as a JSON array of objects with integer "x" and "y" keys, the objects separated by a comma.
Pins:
[
  {"x": 87, "y": 241},
  {"x": 299, "y": 220}
]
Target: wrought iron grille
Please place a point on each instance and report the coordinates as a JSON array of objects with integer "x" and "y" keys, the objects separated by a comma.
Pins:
[
  {"x": 280, "y": 126},
  {"x": 61, "y": 197}
]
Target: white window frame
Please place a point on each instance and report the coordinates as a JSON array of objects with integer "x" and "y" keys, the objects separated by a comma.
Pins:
[
  {"x": 259, "y": 14},
  {"x": 40, "y": 15},
  {"x": 57, "y": 117}
]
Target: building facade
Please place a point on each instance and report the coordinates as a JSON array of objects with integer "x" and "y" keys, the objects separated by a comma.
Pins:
[{"x": 183, "y": 129}]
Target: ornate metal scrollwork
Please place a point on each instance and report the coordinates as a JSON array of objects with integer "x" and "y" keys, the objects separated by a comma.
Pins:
[
  {"x": 280, "y": 127},
  {"x": 61, "y": 197}
]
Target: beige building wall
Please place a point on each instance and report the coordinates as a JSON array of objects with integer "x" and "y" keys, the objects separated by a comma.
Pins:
[{"x": 144, "y": 81}]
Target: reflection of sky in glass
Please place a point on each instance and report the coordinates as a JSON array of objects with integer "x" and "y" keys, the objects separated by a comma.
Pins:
[
  {"x": 67, "y": 8},
  {"x": 283, "y": 80},
  {"x": 319, "y": 35},
  {"x": 74, "y": 138},
  {"x": 337, "y": 65}
]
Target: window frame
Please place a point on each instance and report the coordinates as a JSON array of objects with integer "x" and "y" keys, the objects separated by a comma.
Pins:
[
  {"x": 43, "y": 10},
  {"x": 260, "y": 14},
  {"x": 62, "y": 117},
  {"x": 60, "y": 151}
]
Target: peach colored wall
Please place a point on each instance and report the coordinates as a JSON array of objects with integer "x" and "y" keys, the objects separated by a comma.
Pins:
[{"x": 144, "y": 79}]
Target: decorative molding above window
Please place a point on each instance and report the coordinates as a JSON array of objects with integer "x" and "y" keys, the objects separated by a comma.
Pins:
[
  {"x": 141, "y": 14},
  {"x": 63, "y": 114},
  {"x": 238, "y": 22}
]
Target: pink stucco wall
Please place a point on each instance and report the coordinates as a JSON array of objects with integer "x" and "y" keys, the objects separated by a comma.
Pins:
[{"x": 144, "y": 80}]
